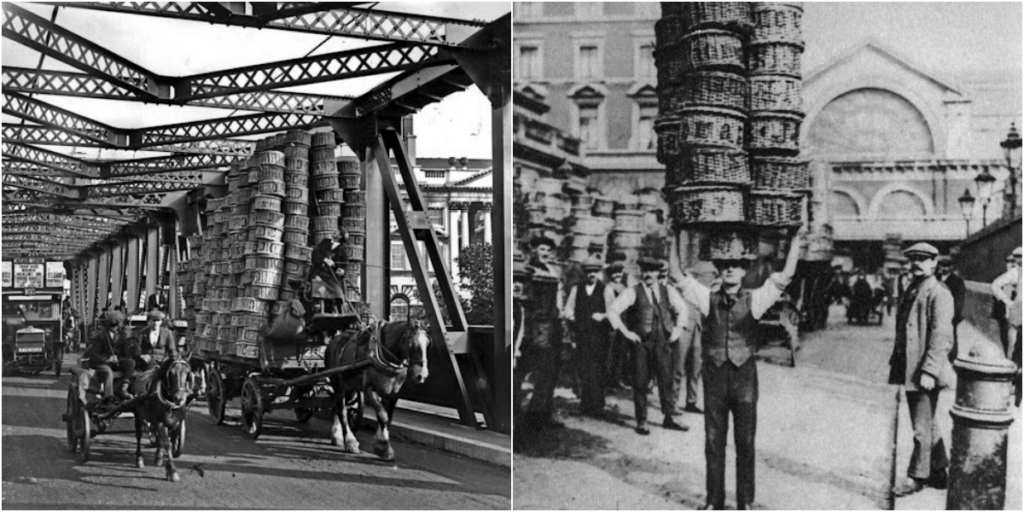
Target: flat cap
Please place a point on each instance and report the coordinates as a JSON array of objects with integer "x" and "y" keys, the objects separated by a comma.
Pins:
[
  {"x": 614, "y": 268},
  {"x": 921, "y": 249},
  {"x": 115, "y": 318},
  {"x": 648, "y": 264}
]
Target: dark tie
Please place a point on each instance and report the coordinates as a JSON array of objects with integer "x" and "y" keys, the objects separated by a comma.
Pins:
[{"x": 654, "y": 296}]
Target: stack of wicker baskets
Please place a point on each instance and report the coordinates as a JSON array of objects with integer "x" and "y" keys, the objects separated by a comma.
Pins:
[
  {"x": 703, "y": 90},
  {"x": 730, "y": 112},
  {"x": 775, "y": 115}
]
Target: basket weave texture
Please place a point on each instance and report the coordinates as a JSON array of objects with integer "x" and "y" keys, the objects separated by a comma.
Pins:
[
  {"x": 704, "y": 89},
  {"x": 777, "y": 22},
  {"x": 707, "y": 166},
  {"x": 777, "y": 93},
  {"x": 708, "y": 50},
  {"x": 774, "y": 209},
  {"x": 699, "y": 127},
  {"x": 775, "y": 173},
  {"x": 775, "y": 132},
  {"x": 706, "y": 204},
  {"x": 777, "y": 58},
  {"x": 695, "y": 15}
]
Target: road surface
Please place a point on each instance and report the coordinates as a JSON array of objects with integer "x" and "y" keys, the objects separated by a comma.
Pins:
[{"x": 291, "y": 466}]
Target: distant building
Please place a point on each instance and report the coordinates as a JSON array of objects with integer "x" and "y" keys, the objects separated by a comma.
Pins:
[{"x": 897, "y": 144}]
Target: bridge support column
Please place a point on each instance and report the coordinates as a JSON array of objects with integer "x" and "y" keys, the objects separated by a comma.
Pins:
[
  {"x": 152, "y": 251},
  {"x": 117, "y": 274},
  {"x": 90, "y": 294},
  {"x": 132, "y": 271},
  {"x": 103, "y": 283}
]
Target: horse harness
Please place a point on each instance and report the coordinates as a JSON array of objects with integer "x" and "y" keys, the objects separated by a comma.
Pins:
[{"x": 380, "y": 355}]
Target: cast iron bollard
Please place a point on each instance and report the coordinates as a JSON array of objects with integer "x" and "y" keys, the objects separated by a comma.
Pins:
[{"x": 981, "y": 417}]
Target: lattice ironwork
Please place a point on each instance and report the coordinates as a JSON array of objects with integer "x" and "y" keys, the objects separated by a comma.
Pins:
[
  {"x": 339, "y": 20},
  {"x": 166, "y": 164},
  {"x": 37, "y": 198},
  {"x": 41, "y": 185},
  {"x": 65, "y": 46},
  {"x": 134, "y": 188},
  {"x": 43, "y": 113},
  {"x": 42, "y": 157},
  {"x": 35, "y": 171},
  {"x": 63, "y": 83},
  {"x": 69, "y": 219},
  {"x": 47, "y": 136},
  {"x": 320, "y": 68},
  {"x": 228, "y": 147},
  {"x": 219, "y": 128}
]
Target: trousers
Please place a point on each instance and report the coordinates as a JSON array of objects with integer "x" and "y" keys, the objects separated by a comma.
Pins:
[
  {"x": 730, "y": 389},
  {"x": 653, "y": 354},
  {"x": 544, "y": 360},
  {"x": 686, "y": 354},
  {"x": 929, "y": 454},
  {"x": 591, "y": 349}
]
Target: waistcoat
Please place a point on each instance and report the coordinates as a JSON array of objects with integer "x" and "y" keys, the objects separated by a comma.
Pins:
[
  {"x": 645, "y": 315},
  {"x": 729, "y": 332},
  {"x": 587, "y": 306}
]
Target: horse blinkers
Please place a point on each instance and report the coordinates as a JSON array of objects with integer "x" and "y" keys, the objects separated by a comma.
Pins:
[{"x": 419, "y": 343}]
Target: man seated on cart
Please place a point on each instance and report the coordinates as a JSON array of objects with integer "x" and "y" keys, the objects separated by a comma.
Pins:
[
  {"x": 154, "y": 344},
  {"x": 104, "y": 346},
  {"x": 329, "y": 259}
]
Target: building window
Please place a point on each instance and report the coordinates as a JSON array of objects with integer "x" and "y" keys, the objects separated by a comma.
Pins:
[
  {"x": 436, "y": 217},
  {"x": 399, "y": 308},
  {"x": 528, "y": 10},
  {"x": 645, "y": 61},
  {"x": 529, "y": 63},
  {"x": 589, "y": 127},
  {"x": 589, "y": 10},
  {"x": 588, "y": 60},
  {"x": 398, "y": 259},
  {"x": 647, "y": 140}
]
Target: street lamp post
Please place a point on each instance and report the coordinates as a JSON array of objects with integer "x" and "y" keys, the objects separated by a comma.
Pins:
[
  {"x": 984, "y": 181},
  {"x": 967, "y": 208},
  {"x": 1011, "y": 151}
]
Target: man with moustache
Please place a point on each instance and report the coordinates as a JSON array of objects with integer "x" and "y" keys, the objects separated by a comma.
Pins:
[
  {"x": 545, "y": 350},
  {"x": 656, "y": 315},
  {"x": 729, "y": 369},
  {"x": 920, "y": 362},
  {"x": 585, "y": 309}
]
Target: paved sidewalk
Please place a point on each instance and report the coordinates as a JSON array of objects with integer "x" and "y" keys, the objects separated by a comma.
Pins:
[{"x": 823, "y": 441}]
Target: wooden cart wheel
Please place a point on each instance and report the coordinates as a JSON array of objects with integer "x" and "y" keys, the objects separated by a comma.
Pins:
[
  {"x": 304, "y": 414},
  {"x": 83, "y": 429},
  {"x": 178, "y": 440},
  {"x": 70, "y": 417},
  {"x": 252, "y": 408},
  {"x": 215, "y": 396},
  {"x": 354, "y": 410}
]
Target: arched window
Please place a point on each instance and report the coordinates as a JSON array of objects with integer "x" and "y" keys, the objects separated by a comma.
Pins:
[
  {"x": 399, "y": 308},
  {"x": 870, "y": 122},
  {"x": 901, "y": 204},
  {"x": 843, "y": 205}
]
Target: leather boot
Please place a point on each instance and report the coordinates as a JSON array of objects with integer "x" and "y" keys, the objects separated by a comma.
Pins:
[{"x": 123, "y": 392}]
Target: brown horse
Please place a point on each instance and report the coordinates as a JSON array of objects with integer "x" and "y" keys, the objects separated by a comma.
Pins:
[
  {"x": 397, "y": 350},
  {"x": 162, "y": 407}
]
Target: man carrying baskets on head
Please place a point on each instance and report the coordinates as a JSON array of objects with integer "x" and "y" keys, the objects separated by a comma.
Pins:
[{"x": 729, "y": 371}]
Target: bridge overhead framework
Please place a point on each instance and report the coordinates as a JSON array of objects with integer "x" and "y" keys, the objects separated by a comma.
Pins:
[{"x": 114, "y": 114}]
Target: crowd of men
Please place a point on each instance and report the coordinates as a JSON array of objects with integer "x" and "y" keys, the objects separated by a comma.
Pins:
[{"x": 682, "y": 328}]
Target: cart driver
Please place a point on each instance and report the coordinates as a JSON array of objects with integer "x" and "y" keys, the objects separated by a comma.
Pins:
[
  {"x": 102, "y": 357},
  {"x": 329, "y": 259}
]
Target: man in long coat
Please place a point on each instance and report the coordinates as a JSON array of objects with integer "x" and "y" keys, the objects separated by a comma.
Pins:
[
  {"x": 585, "y": 309},
  {"x": 920, "y": 363},
  {"x": 543, "y": 355}
]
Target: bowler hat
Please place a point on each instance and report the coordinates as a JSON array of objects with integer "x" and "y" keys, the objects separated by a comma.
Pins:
[
  {"x": 614, "y": 268},
  {"x": 921, "y": 249},
  {"x": 649, "y": 264}
]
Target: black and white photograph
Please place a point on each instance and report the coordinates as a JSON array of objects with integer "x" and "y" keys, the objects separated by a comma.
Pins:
[
  {"x": 766, "y": 255},
  {"x": 255, "y": 255}
]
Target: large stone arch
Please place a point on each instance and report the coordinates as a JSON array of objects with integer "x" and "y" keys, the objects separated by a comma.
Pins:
[
  {"x": 899, "y": 188},
  {"x": 814, "y": 105},
  {"x": 855, "y": 199}
]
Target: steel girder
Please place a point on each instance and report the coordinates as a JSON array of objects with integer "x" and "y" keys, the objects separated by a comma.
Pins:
[
  {"x": 325, "y": 18},
  {"x": 65, "y": 83},
  {"x": 41, "y": 185},
  {"x": 32, "y": 170},
  {"x": 36, "y": 198},
  {"x": 219, "y": 128},
  {"x": 227, "y": 147},
  {"x": 47, "y": 136},
  {"x": 136, "y": 187},
  {"x": 65, "y": 46},
  {"x": 165, "y": 164},
  {"x": 43, "y": 113},
  {"x": 42, "y": 157},
  {"x": 319, "y": 68}
]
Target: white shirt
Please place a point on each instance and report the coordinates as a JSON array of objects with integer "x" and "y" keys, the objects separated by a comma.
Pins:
[
  {"x": 627, "y": 298},
  {"x": 761, "y": 299}
]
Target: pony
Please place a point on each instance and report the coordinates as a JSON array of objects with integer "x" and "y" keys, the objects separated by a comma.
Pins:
[
  {"x": 161, "y": 406},
  {"x": 396, "y": 350}
]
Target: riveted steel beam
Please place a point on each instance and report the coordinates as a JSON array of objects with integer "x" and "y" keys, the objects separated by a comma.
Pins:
[
  {"x": 65, "y": 46},
  {"x": 323, "y": 18},
  {"x": 219, "y": 128},
  {"x": 166, "y": 164},
  {"x": 36, "y": 198},
  {"x": 227, "y": 147},
  {"x": 50, "y": 159},
  {"x": 47, "y": 136},
  {"x": 65, "y": 83},
  {"x": 35, "y": 171},
  {"x": 318, "y": 68},
  {"x": 43, "y": 113},
  {"x": 134, "y": 188},
  {"x": 41, "y": 185}
]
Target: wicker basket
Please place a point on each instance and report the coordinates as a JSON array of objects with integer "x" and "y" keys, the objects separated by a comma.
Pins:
[
  {"x": 297, "y": 138},
  {"x": 350, "y": 181},
  {"x": 269, "y": 203},
  {"x": 706, "y": 204},
  {"x": 707, "y": 166},
  {"x": 349, "y": 166},
  {"x": 267, "y": 248},
  {"x": 322, "y": 154},
  {"x": 329, "y": 209},
  {"x": 296, "y": 268},
  {"x": 267, "y": 233},
  {"x": 295, "y": 237},
  {"x": 354, "y": 225},
  {"x": 776, "y": 22},
  {"x": 704, "y": 89},
  {"x": 699, "y": 127},
  {"x": 298, "y": 252},
  {"x": 296, "y": 165},
  {"x": 273, "y": 188},
  {"x": 774, "y": 209},
  {"x": 274, "y": 158},
  {"x": 775, "y": 133},
  {"x": 774, "y": 173},
  {"x": 325, "y": 182},
  {"x": 729, "y": 245},
  {"x": 354, "y": 252},
  {"x": 322, "y": 139},
  {"x": 778, "y": 93},
  {"x": 323, "y": 168},
  {"x": 781, "y": 58},
  {"x": 296, "y": 152},
  {"x": 267, "y": 218},
  {"x": 295, "y": 194},
  {"x": 290, "y": 208},
  {"x": 263, "y": 292},
  {"x": 330, "y": 196},
  {"x": 294, "y": 179},
  {"x": 238, "y": 223},
  {"x": 708, "y": 50},
  {"x": 354, "y": 211},
  {"x": 696, "y": 15},
  {"x": 355, "y": 197},
  {"x": 271, "y": 173},
  {"x": 296, "y": 222},
  {"x": 325, "y": 224}
]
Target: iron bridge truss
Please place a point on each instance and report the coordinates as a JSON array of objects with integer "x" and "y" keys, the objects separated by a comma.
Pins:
[{"x": 42, "y": 184}]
